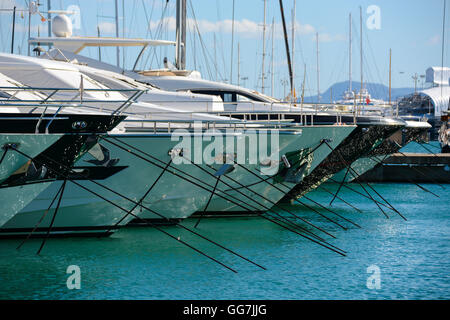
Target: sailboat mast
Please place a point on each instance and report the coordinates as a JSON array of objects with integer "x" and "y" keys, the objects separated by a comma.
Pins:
[
  {"x": 361, "y": 49},
  {"x": 318, "y": 72},
  {"x": 350, "y": 53},
  {"x": 286, "y": 43},
  {"x": 303, "y": 85},
  {"x": 293, "y": 49},
  {"x": 264, "y": 48},
  {"x": 183, "y": 34},
  {"x": 272, "y": 72},
  {"x": 215, "y": 54},
  {"x": 390, "y": 56},
  {"x": 238, "y": 66},
  {"x": 99, "y": 47},
  {"x": 180, "y": 35},
  {"x": 49, "y": 18},
  {"x": 232, "y": 44},
  {"x": 13, "y": 29},
  {"x": 443, "y": 42},
  {"x": 117, "y": 32}
]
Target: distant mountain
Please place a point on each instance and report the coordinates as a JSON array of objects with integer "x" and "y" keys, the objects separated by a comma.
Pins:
[{"x": 376, "y": 90}]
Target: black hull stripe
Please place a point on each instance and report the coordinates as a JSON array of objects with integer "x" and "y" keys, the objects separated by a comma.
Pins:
[
  {"x": 159, "y": 222},
  {"x": 226, "y": 214},
  {"x": 57, "y": 229},
  {"x": 102, "y": 234}
]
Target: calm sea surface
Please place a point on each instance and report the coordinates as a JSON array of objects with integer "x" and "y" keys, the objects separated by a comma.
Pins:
[{"x": 142, "y": 263}]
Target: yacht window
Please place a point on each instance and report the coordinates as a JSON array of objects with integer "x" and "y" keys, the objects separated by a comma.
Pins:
[
  {"x": 228, "y": 97},
  {"x": 241, "y": 98}
]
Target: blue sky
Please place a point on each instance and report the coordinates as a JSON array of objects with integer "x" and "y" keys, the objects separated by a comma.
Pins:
[{"x": 413, "y": 29}]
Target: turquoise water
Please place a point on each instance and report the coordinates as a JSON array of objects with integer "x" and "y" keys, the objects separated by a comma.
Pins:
[{"x": 141, "y": 263}]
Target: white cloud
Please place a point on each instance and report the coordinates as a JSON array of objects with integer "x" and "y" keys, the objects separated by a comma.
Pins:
[
  {"x": 434, "y": 40},
  {"x": 107, "y": 27},
  {"x": 245, "y": 28}
]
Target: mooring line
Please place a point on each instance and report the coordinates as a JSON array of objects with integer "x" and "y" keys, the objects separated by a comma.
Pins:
[
  {"x": 142, "y": 198},
  {"x": 304, "y": 236},
  {"x": 340, "y": 216},
  {"x": 163, "y": 217},
  {"x": 123, "y": 209},
  {"x": 387, "y": 202},
  {"x": 173, "y": 172},
  {"x": 177, "y": 224},
  {"x": 157, "y": 228},
  {"x": 53, "y": 218},
  {"x": 201, "y": 168},
  {"x": 41, "y": 219},
  {"x": 295, "y": 199},
  {"x": 415, "y": 169},
  {"x": 209, "y": 200},
  {"x": 361, "y": 194},
  {"x": 123, "y": 148},
  {"x": 5, "y": 148},
  {"x": 177, "y": 175},
  {"x": 81, "y": 186},
  {"x": 293, "y": 164},
  {"x": 350, "y": 168},
  {"x": 409, "y": 179},
  {"x": 340, "y": 186},
  {"x": 272, "y": 202},
  {"x": 347, "y": 203}
]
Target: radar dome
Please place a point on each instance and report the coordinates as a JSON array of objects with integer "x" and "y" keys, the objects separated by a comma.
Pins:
[{"x": 62, "y": 26}]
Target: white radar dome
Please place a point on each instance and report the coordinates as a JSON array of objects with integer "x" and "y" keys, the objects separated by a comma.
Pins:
[{"x": 62, "y": 26}]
